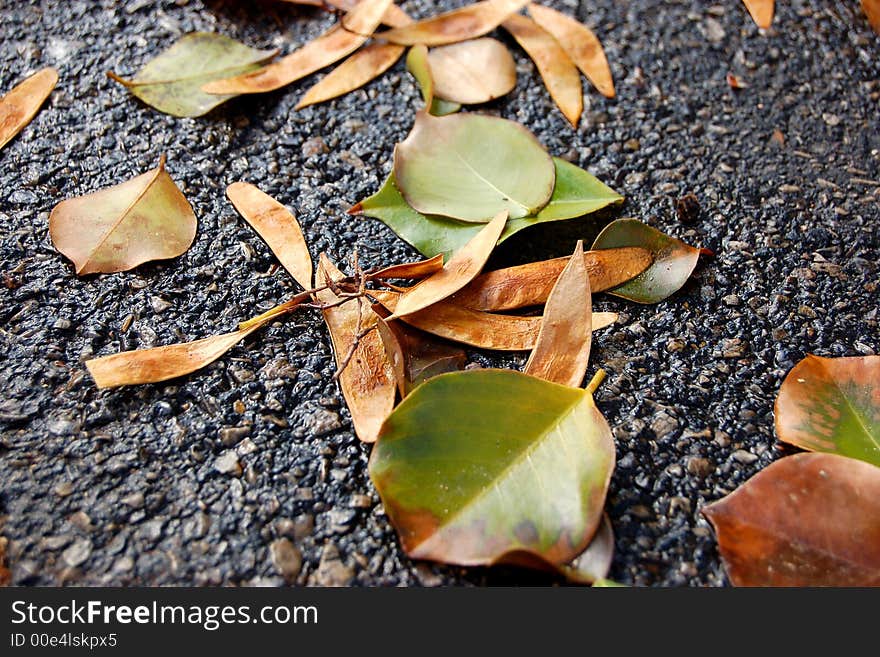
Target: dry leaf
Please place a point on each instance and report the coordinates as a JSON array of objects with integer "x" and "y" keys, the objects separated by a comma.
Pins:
[
  {"x": 367, "y": 381},
  {"x": 562, "y": 349},
  {"x": 420, "y": 269},
  {"x": 458, "y": 272},
  {"x": 394, "y": 16},
  {"x": 476, "y": 328},
  {"x": 277, "y": 226},
  {"x": 761, "y": 11},
  {"x": 146, "y": 218},
  {"x": 806, "y": 520},
  {"x": 20, "y": 105},
  {"x": 559, "y": 73},
  {"x": 356, "y": 71},
  {"x": 872, "y": 11},
  {"x": 579, "y": 42},
  {"x": 472, "y": 72},
  {"x": 332, "y": 46},
  {"x": 458, "y": 25},
  {"x": 530, "y": 284}
]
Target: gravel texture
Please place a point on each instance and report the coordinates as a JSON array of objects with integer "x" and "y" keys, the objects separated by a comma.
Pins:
[{"x": 249, "y": 472}]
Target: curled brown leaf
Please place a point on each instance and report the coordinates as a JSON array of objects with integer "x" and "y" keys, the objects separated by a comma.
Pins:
[
  {"x": 21, "y": 104},
  {"x": 458, "y": 25}
]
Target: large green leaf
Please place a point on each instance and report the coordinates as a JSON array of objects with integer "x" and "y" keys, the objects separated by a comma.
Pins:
[
  {"x": 673, "y": 260},
  {"x": 172, "y": 82},
  {"x": 576, "y": 193},
  {"x": 832, "y": 405},
  {"x": 484, "y": 466},
  {"x": 471, "y": 167}
]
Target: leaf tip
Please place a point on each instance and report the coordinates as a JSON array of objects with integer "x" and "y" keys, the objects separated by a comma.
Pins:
[{"x": 357, "y": 208}]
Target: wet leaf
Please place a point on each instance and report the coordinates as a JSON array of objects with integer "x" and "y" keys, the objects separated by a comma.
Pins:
[
  {"x": 461, "y": 269},
  {"x": 367, "y": 381},
  {"x": 761, "y": 11},
  {"x": 420, "y": 269},
  {"x": 530, "y": 284},
  {"x": 806, "y": 520},
  {"x": 333, "y": 45},
  {"x": 575, "y": 194},
  {"x": 562, "y": 349},
  {"x": 115, "y": 229},
  {"x": 277, "y": 226},
  {"x": 172, "y": 83},
  {"x": 459, "y": 25},
  {"x": 459, "y": 166},
  {"x": 417, "y": 64},
  {"x": 472, "y": 72},
  {"x": 559, "y": 73},
  {"x": 476, "y": 328},
  {"x": 21, "y": 104},
  {"x": 579, "y": 43},
  {"x": 673, "y": 260},
  {"x": 832, "y": 405},
  {"x": 872, "y": 11},
  {"x": 467, "y": 477},
  {"x": 356, "y": 71},
  {"x": 592, "y": 565}
]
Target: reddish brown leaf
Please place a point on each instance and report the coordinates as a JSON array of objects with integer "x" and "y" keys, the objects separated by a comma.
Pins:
[
  {"x": 21, "y": 104},
  {"x": 872, "y": 11},
  {"x": 579, "y": 43},
  {"x": 761, "y": 11},
  {"x": 464, "y": 266},
  {"x": 458, "y": 25},
  {"x": 277, "y": 225},
  {"x": 119, "y": 228},
  {"x": 420, "y": 269},
  {"x": 530, "y": 284},
  {"x": 367, "y": 381},
  {"x": 562, "y": 348},
  {"x": 559, "y": 73},
  {"x": 806, "y": 520}
]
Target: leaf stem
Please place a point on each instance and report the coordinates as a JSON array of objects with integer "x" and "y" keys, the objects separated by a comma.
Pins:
[{"x": 596, "y": 381}]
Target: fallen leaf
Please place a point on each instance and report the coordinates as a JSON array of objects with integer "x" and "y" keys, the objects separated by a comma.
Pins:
[
  {"x": 119, "y": 228},
  {"x": 458, "y": 25},
  {"x": 420, "y": 269},
  {"x": 476, "y": 328},
  {"x": 530, "y": 284},
  {"x": 461, "y": 269},
  {"x": 472, "y": 72},
  {"x": 872, "y": 11},
  {"x": 21, "y": 104},
  {"x": 394, "y": 16},
  {"x": 341, "y": 40},
  {"x": 575, "y": 194},
  {"x": 579, "y": 43},
  {"x": 734, "y": 82},
  {"x": 459, "y": 166},
  {"x": 172, "y": 83},
  {"x": 673, "y": 260},
  {"x": 5, "y": 574},
  {"x": 356, "y": 71},
  {"x": 559, "y": 73},
  {"x": 806, "y": 520},
  {"x": 562, "y": 349},
  {"x": 592, "y": 565},
  {"x": 277, "y": 226},
  {"x": 367, "y": 381},
  {"x": 417, "y": 64},
  {"x": 474, "y": 467},
  {"x": 761, "y": 11},
  {"x": 832, "y": 405}
]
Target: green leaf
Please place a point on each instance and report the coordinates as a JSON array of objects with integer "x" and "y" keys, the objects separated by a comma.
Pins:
[
  {"x": 484, "y": 466},
  {"x": 831, "y": 405},
  {"x": 673, "y": 260},
  {"x": 172, "y": 82},
  {"x": 576, "y": 193},
  {"x": 471, "y": 167}
]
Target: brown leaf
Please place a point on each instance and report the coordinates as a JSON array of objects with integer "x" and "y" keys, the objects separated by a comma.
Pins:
[
  {"x": 579, "y": 43},
  {"x": 872, "y": 11},
  {"x": 476, "y": 328},
  {"x": 420, "y": 269},
  {"x": 332, "y": 46},
  {"x": 562, "y": 349},
  {"x": 5, "y": 574},
  {"x": 472, "y": 72},
  {"x": 20, "y": 105},
  {"x": 392, "y": 340},
  {"x": 367, "y": 382},
  {"x": 464, "y": 266},
  {"x": 559, "y": 73},
  {"x": 530, "y": 284},
  {"x": 277, "y": 226},
  {"x": 356, "y": 71},
  {"x": 761, "y": 11},
  {"x": 806, "y": 520},
  {"x": 458, "y": 25},
  {"x": 119, "y": 228},
  {"x": 394, "y": 16}
]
